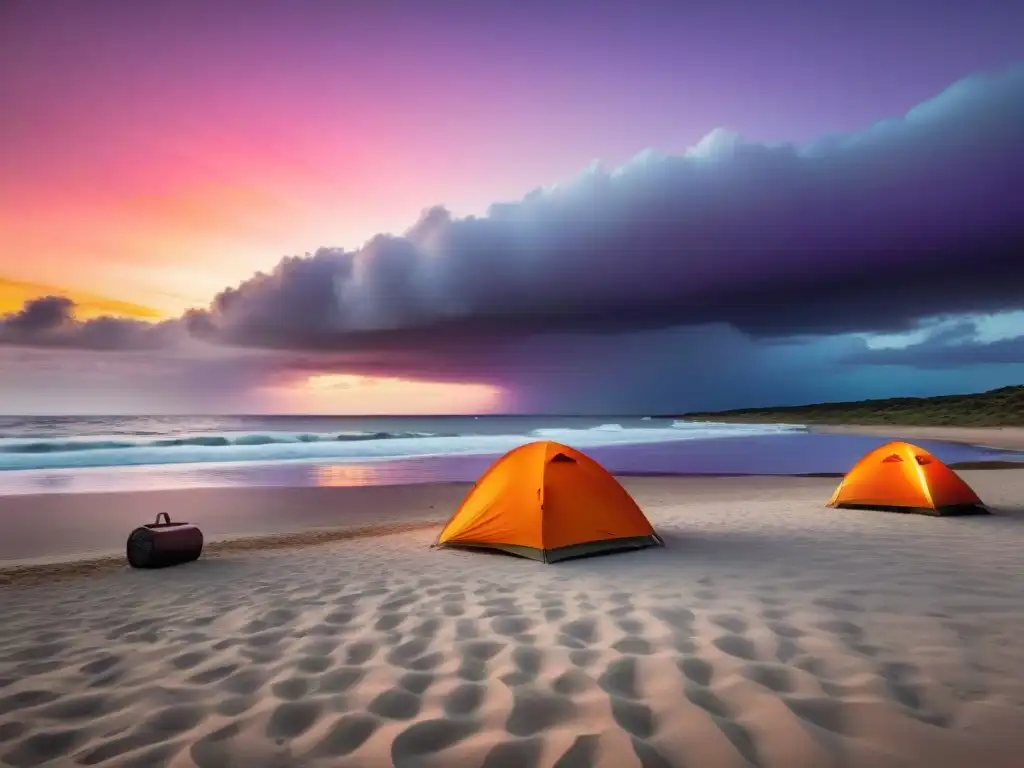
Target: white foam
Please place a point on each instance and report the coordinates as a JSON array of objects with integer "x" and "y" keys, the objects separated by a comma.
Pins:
[
  {"x": 292, "y": 447},
  {"x": 747, "y": 429}
]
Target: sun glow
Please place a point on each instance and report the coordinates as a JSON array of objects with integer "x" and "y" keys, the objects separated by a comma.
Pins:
[
  {"x": 354, "y": 394},
  {"x": 14, "y": 294},
  {"x": 330, "y": 381}
]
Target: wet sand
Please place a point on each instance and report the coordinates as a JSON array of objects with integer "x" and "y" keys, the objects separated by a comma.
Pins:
[
  {"x": 769, "y": 632},
  {"x": 1001, "y": 438}
]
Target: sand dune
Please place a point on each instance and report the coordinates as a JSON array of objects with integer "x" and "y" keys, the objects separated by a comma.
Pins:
[{"x": 769, "y": 632}]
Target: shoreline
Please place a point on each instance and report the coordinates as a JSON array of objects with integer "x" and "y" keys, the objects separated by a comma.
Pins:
[
  {"x": 995, "y": 438},
  {"x": 989, "y": 464},
  {"x": 62, "y": 530}
]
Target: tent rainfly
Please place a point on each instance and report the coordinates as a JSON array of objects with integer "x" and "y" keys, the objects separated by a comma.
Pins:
[
  {"x": 901, "y": 477},
  {"x": 548, "y": 502}
]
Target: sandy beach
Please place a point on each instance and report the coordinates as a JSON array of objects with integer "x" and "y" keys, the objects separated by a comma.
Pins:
[
  {"x": 770, "y": 631},
  {"x": 1001, "y": 438},
  {"x": 61, "y": 526}
]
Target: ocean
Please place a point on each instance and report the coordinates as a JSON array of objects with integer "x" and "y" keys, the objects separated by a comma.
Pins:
[{"x": 88, "y": 454}]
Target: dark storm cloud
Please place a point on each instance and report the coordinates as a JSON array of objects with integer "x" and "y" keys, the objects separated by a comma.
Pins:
[
  {"x": 49, "y": 321},
  {"x": 1004, "y": 351},
  {"x": 951, "y": 347},
  {"x": 916, "y": 216}
]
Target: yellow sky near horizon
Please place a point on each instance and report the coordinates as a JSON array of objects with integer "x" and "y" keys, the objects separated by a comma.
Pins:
[
  {"x": 14, "y": 294},
  {"x": 316, "y": 393},
  {"x": 339, "y": 393}
]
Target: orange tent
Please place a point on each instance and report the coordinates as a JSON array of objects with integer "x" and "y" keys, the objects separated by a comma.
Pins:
[
  {"x": 902, "y": 477},
  {"x": 548, "y": 502}
]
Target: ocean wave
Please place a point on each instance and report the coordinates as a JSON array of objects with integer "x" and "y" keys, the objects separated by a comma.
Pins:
[
  {"x": 67, "y": 453},
  {"x": 33, "y": 446},
  {"x": 760, "y": 429}
]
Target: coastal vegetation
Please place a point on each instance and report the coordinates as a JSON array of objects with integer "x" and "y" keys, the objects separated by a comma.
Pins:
[{"x": 1003, "y": 407}]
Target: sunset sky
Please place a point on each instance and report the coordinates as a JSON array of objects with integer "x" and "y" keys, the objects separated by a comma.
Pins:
[{"x": 675, "y": 206}]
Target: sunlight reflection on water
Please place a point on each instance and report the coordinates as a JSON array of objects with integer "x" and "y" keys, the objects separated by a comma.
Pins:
[{"x": 333, "y": 475}]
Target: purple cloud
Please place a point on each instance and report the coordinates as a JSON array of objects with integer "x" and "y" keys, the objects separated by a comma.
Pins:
[
  {"x": 913, "y": 217},
  {"x": 49, "y": 321}
]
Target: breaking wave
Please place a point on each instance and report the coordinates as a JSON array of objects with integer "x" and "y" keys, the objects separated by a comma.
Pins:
[
  {"x": 207, "y": 441},
  {"x": 64, "y": 453}
]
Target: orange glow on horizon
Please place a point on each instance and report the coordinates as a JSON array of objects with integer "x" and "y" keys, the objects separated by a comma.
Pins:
[
  {"x": 338, "y": 381},
  {"x": 14, "y": 294},
  {"x": 351, "y": 394}
]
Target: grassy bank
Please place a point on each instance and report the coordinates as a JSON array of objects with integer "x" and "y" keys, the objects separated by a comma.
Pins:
[{"x": 1002, "y": 407}]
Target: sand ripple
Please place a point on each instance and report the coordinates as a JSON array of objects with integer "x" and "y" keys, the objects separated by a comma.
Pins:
[{"x": 764, "y": 635}]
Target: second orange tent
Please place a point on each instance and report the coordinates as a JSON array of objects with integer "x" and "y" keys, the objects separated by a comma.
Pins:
[{"x": 899, "y": 476}]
